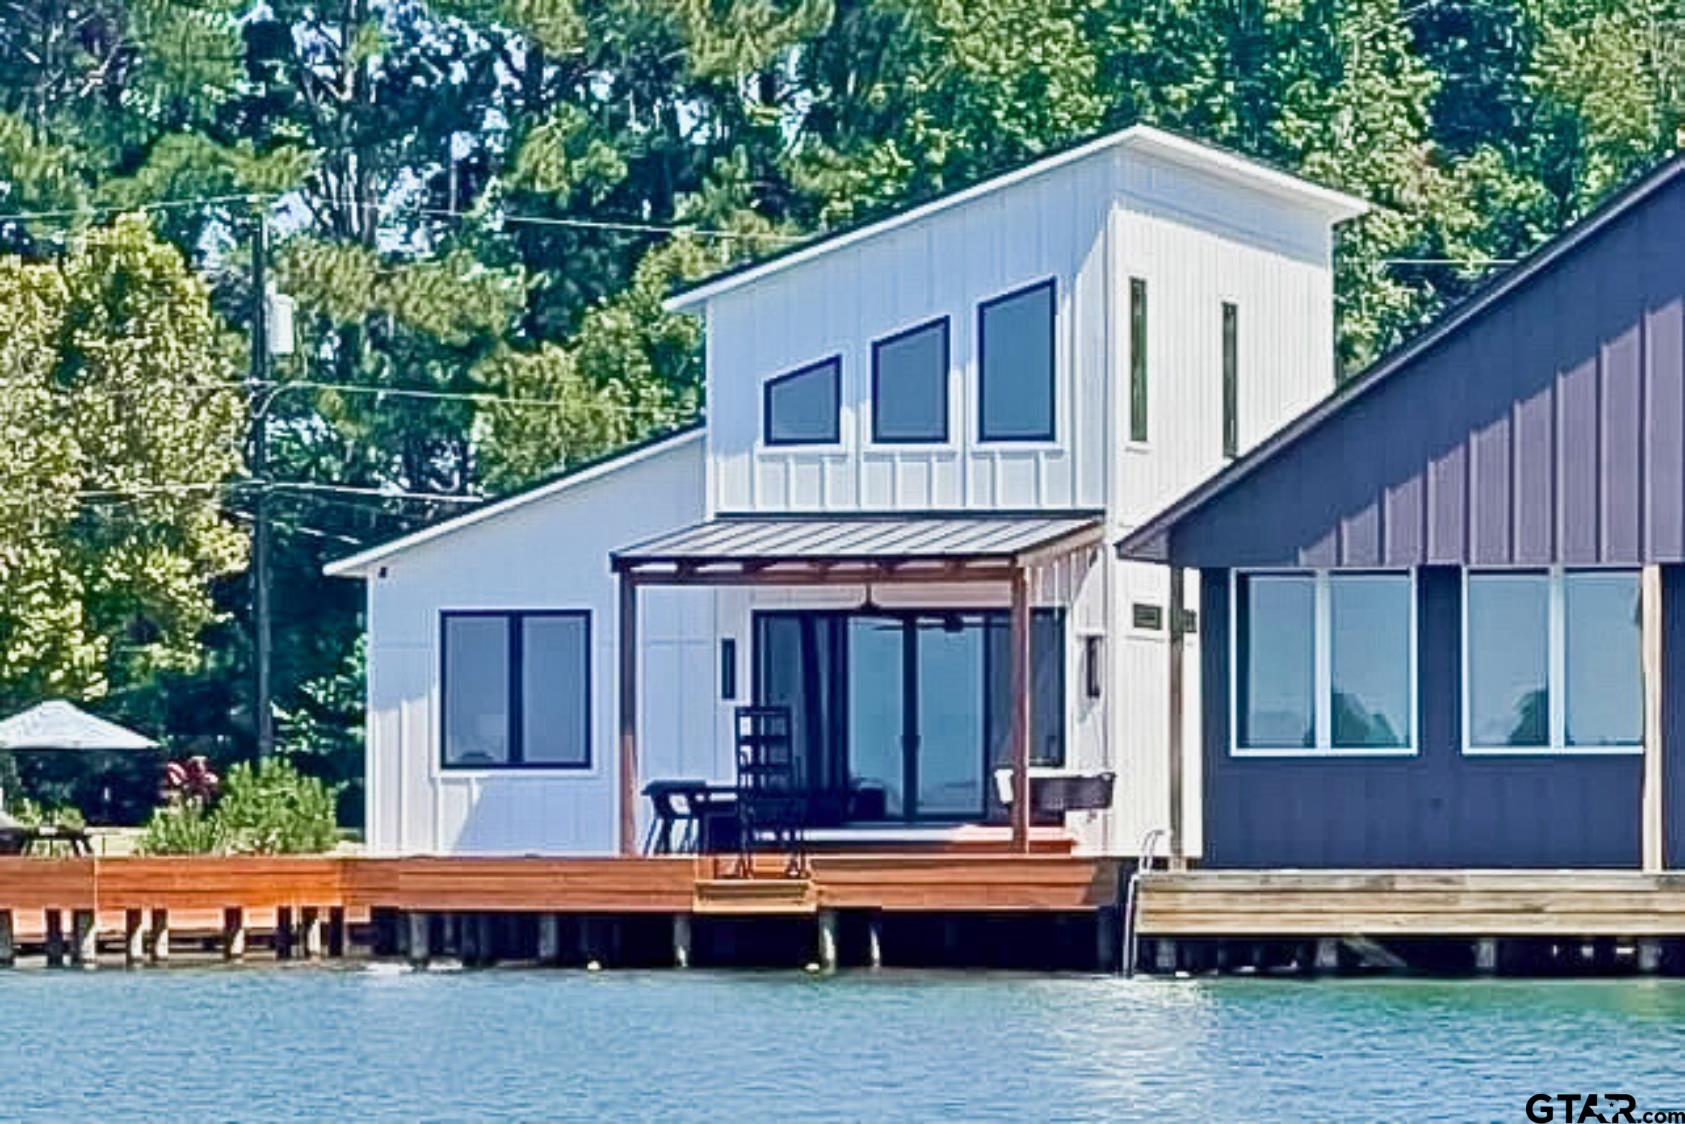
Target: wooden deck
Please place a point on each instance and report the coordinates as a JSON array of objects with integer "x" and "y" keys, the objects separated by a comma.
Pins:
[
  {"x": 1394, "y": 904},
  {"x": 196, "y": 891}
]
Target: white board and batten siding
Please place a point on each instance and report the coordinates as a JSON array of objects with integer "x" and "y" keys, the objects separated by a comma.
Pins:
[
  {"x": 1199, "y": 227},
  {"x": 549, "y": 553},
  {"x": 1052, "y": 226}
]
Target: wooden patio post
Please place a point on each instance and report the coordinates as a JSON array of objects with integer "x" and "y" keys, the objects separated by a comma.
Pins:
[
  {"x": 628, "y": 650},
  {"x": 1178, "y": 630},
  {"x": 1020, "y": 628},
  {"x": 1651, "y": 809}
]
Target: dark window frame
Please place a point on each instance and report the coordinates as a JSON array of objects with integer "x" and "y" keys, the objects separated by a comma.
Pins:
[
  {"x": 990, "y": 620},
  {"x": 806, "y": 369},
  {"x": 947, "y": 372},
  {"x": 1138, "y": 385},
  {"x": 515, "y": 619},
  {"x": 1231, "y": 379},
  {"x": 1051, "y": 284}
]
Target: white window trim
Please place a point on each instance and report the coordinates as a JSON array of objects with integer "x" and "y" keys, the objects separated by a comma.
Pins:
[
  {"x": 1323, "y": 687},
  {"x": 1556, "y": 671}
]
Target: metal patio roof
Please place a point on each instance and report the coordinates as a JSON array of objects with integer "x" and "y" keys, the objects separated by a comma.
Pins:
[{"x": 765, "y": 540}]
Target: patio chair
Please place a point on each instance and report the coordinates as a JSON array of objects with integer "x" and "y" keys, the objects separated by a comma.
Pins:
[{"x": 772, "y": 800}]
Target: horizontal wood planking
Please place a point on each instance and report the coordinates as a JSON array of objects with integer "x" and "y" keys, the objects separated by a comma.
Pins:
[
  {"x": 964, "y": 883},
  {"x": 1567, "y": 904},
  {"x": 31, "y": 883},
  {"x": 216, "y": 882},
  {"x": 559, "y": 885}
]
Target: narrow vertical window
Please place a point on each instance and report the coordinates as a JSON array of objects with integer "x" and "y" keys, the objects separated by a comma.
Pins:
[
  {"x": 1508, "y": 647},
  {"x": 1603, "y": 661},
  {"x": 1137, "y": 359},
  {"x": 1275, "y": 622},
  {"x": 728, "y": 668},
  {"x": 1231, "y": 380}
]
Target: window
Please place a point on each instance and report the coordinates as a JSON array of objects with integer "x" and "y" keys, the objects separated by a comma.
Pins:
[
  {"x": 1093, "y": 665},
  {"x": 1015, "y": 343},
  {"x": 910, "y": 385},
  {"x": 1552, "y": 661},
  {"x": 1368, "y": 632},
  {"x": 802, "y": 407},
  {"x": 516, "y": 690},
  {"x": 1137, "y": 359},
  {"x": 1324, "y": 662},
  {"x": 1231, "y": 380},
  {"x": 728, "y": 668},
  {"x": 1047, "y": 687}
]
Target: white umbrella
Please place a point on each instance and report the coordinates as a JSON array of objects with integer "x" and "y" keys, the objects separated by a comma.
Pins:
[{"x": 59, "y": 725}]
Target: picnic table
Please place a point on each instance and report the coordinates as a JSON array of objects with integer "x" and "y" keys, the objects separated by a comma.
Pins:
[{"x": 23, "y": 839}]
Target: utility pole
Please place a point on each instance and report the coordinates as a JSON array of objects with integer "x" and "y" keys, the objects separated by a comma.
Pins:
[{"x": 263, "y": 710}]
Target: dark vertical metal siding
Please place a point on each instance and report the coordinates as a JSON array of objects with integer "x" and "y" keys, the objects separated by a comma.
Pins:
[
  {"x": 1673, "y": 717},
  {"x": 1437, "y": 809},
  {"x": 1550, "y": 428}
]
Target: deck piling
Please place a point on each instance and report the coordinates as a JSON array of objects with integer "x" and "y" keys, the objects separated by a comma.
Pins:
[
  {"x": 234, "y": 934},
  {"x": 134, "y": 936},
  {"x": 311, "y": 922},
  {"x": 1486, "y": 956},
  {"x": 874, "y": 940},
  {"x": 827, "y": 933},
  {"x": 84, "y": 950},
  {"x": 419, "y": 945},
  {"x": 55, "y": 938},
  {"x": 681, "y": 940},
  {"x": 8, "y": 940},
  {"x": 549, "y": 938},
  {"x": 1107, "y": 951},
  {"x": 1327, "y": 956},
  {"x": 160, "y": 948},
  {"x": 1649, "y": 956},
  {"x": 284, "y": 932},
  {"x": 338, "y": 933}
]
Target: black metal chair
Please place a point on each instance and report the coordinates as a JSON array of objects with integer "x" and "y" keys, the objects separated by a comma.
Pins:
[
  {"x": 670, "y": 803},
  {"x": 772, "y": 798}
]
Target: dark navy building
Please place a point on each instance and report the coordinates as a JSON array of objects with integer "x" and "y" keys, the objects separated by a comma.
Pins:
[{"x": 1442, "y": 614}]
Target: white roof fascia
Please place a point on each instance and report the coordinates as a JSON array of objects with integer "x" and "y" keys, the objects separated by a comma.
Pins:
[
  {"x": 1335, "y": 206},
  {"x": 357, "y": 565}
]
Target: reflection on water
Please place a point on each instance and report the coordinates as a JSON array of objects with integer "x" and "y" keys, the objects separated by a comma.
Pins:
[{"x": 261, "y": 1043}]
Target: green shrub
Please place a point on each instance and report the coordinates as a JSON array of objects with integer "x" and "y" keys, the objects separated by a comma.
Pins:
[
  {"x": 183, "y": 828},
  {"x": 273, "y": 809},
  {"x": 29, "y": 812},
  {"x": 265, "y": 809}
]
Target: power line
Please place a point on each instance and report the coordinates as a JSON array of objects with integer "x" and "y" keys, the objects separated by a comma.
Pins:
[
  {"x": 94, "y": 209},
  {"x": 547, "y": 220}
]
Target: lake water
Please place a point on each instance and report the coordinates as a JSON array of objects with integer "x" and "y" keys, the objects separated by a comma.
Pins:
[{"x": 381, "y": 1042}]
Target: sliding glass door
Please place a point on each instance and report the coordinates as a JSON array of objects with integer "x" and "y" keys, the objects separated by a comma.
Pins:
[
  {"x": 879, "y": 722},
  {"x": 949, "y": 693},
  {"x": 904, "y": 707}
]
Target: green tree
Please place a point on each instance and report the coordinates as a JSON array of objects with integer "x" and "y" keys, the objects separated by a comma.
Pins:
[{"x": 119, "y": 401}]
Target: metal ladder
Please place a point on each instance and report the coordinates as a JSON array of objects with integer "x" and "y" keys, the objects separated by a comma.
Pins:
[{"x": 1132, "y": 897}]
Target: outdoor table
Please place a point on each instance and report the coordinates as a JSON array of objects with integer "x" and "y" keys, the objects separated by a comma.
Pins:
[
  {"x": 20, "y": 839},
  {"x": 703, "y": 804}
]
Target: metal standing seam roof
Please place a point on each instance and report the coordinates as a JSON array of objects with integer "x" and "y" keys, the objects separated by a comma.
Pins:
[{"x": 843, "y": 538}]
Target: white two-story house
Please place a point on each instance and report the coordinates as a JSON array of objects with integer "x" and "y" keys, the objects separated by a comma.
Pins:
[{"x": 891, "y": 529}]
